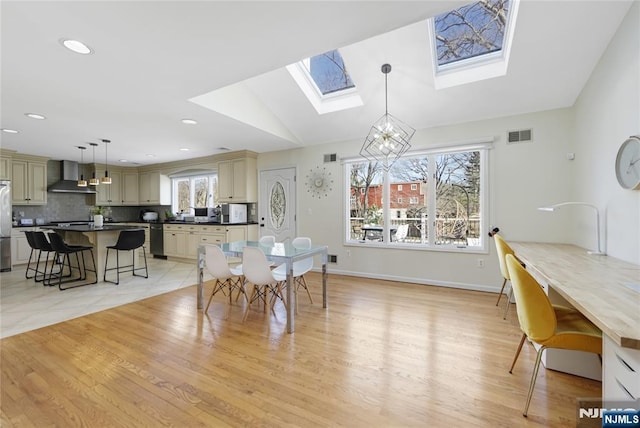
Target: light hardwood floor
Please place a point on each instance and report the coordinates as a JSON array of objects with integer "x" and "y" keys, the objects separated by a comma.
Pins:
[{"x": 384, "y": 354}]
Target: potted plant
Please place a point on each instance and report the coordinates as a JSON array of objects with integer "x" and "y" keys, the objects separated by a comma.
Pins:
[{"x": 98, "y": 215}]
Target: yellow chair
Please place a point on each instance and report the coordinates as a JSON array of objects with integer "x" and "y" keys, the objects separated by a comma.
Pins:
[
  {"x": 547, "y": 325},
  {"x": 503, "y": 249}
]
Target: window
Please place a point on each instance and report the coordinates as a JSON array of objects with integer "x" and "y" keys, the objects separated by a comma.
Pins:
[
  {"x": 328, "y": 72},
  {"x": 198, "y": 191},
  {"x": 399, "y": 186},
  {"x": 399, "y": 200},
  {"x": 448, "y": 213},
  {"x": 414, "y": 186},
  {"x": 472, "y": 42},
  {"x": 325, "y": 81}
]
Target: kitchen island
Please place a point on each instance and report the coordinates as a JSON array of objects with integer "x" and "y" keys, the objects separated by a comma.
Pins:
[{"x": 96, "y": 237}]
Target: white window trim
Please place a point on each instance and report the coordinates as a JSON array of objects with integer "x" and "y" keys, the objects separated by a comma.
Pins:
[
  {"x": 335, "y": 101},
  {"x": 483, "y": 145},
  {"x": 482, "y": 67}
]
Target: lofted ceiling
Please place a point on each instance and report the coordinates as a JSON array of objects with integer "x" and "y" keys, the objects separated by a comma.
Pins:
[{"x": 152, "y": 59}]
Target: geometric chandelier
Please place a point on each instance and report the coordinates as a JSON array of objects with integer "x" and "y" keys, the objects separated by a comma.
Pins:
[{"x": 389, "y": 137}]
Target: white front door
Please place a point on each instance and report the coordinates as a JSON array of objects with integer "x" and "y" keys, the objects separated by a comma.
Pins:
[{"x": 277, "y": 207}]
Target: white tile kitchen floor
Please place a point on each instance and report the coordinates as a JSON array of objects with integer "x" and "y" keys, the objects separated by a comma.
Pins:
[{"x": 26, "y": 305}]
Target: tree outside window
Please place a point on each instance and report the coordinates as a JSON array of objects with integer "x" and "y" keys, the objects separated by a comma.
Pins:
[
  {"x": 442, "y": 208},
  {"x": 194, "y": 192}
]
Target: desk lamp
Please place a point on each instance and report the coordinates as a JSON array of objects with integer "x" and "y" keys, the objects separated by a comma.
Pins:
[{"x": 554, "y": 207}]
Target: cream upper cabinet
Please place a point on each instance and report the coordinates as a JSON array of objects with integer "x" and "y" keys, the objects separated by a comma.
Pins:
[
  {"x": 109, "y": 194},
  {"x": 129, "y": 190},
  {"x": 154, "y": 188},
  {"x": 238, "y": 180},
  {"x": 28, "y": 181},
  {"x": 123, "y": 189},
  {"x": 5, "y": 167}
]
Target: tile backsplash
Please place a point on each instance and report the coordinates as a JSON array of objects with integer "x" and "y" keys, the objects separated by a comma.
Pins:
[{"x": 74, "y": 206}]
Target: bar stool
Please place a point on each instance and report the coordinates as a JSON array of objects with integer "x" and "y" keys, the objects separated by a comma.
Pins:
[
  {"x": 43, "y": 246},
  {"x": 128, "y": 240},
  {"x": 32, "y": 244},
  {"x": 62, "y": 249}
]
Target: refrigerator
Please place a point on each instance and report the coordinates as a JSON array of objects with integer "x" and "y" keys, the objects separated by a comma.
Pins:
[{"x": 5, "y": 225}]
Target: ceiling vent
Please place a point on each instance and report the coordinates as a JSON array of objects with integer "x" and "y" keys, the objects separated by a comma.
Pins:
[
  {"x": 330, "y": 158},
  {"x": 521, "y": 136}
]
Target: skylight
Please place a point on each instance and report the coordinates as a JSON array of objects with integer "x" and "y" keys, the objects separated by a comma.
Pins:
[
  {"x": 325, "y": 81},
  {"x": 328, "y": 72},
  {"x": 473, "y": 42}
]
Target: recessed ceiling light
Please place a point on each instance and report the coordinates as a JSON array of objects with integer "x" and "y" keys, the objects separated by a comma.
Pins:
[
  {"x": 189, "y": 121},
  {"x": 76, "y": 46},
  {"x": 35, "y": 116},
  {"x": 124, "y": 160},
  {"x": 184, "y": 149},
  {"x": 9, "y": 131},
  {"x": 150, "y": 155}
]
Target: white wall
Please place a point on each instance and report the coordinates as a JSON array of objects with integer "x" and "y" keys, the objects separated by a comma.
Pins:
[
  {"x": 606, "y": 114},
  {"x": 523, "y": 177}
]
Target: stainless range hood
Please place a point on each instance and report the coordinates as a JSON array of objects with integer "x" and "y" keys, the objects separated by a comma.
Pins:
[{"x": 69, "y": 180}]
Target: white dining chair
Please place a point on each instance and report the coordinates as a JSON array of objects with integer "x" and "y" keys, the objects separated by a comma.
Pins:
[
  {"x": 257, "y": 271},
  {"x": 268, "y": 240},
  {"x": 226, "y": 279},
  {"x": 300, "y": 268}
]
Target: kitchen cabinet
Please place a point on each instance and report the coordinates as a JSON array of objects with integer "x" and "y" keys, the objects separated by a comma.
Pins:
[
  {"x": 238, "y": 180},
  {"x": 123, "y": 189},
  {"x": 129, "y": 190},
  {"x": 29, "y": 180},
  {"x": 212, "y": 234},
  {"x": 20, "y": 248},
  {"x": 5, "y": 167},
  {"x": 182, "y": 240},
  {"x": 109, "y": 194},
  {"x": 154, "y": 188}
]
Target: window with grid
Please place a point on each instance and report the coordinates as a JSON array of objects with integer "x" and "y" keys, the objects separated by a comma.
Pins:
[{"x": 449, "y": 211}]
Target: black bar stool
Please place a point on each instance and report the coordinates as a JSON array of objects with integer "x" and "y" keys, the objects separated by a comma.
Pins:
[
  {"x": 43, "y": 246},
  {"x": 128, "y": 240},
  {"x": 34, "y": 249},
  {"x": 64, "y": 250}
]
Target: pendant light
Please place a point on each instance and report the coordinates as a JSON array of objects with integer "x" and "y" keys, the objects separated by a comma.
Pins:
[
  {"x": 82, "y": 182},
  {"x": 389, "y": 137},
  {"x": 106, "y": 179},
  {"x": 93, "y": 181}
]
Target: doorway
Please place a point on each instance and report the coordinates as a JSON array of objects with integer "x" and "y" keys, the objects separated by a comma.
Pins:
[{"x": 277, "y": 207}]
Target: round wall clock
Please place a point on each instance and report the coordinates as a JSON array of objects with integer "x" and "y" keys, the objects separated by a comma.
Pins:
[
  {"x": 628, "y": 163},
  {"x": 319, "y": 182}
]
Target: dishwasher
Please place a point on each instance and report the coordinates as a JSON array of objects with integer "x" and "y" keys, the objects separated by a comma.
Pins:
[{"x": 156, "y": 236}]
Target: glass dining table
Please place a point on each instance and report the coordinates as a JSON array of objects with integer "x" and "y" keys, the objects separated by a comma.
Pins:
[{"x": 280, "y": 252}]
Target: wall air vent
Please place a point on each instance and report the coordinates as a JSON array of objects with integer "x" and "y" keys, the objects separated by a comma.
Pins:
[
  {"x": 521, "y": 136},
  {"x": 330, "y": 158}
]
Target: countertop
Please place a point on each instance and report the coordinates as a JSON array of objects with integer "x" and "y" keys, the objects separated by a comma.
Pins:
[
  {"x": 55, "y": 224},
  {"x": 88, "y": 228}
]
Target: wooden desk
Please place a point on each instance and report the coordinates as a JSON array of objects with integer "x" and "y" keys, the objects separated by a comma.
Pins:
[
  {"x": 600, "y": 288},
  {"x": 595, "y": 285}
]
